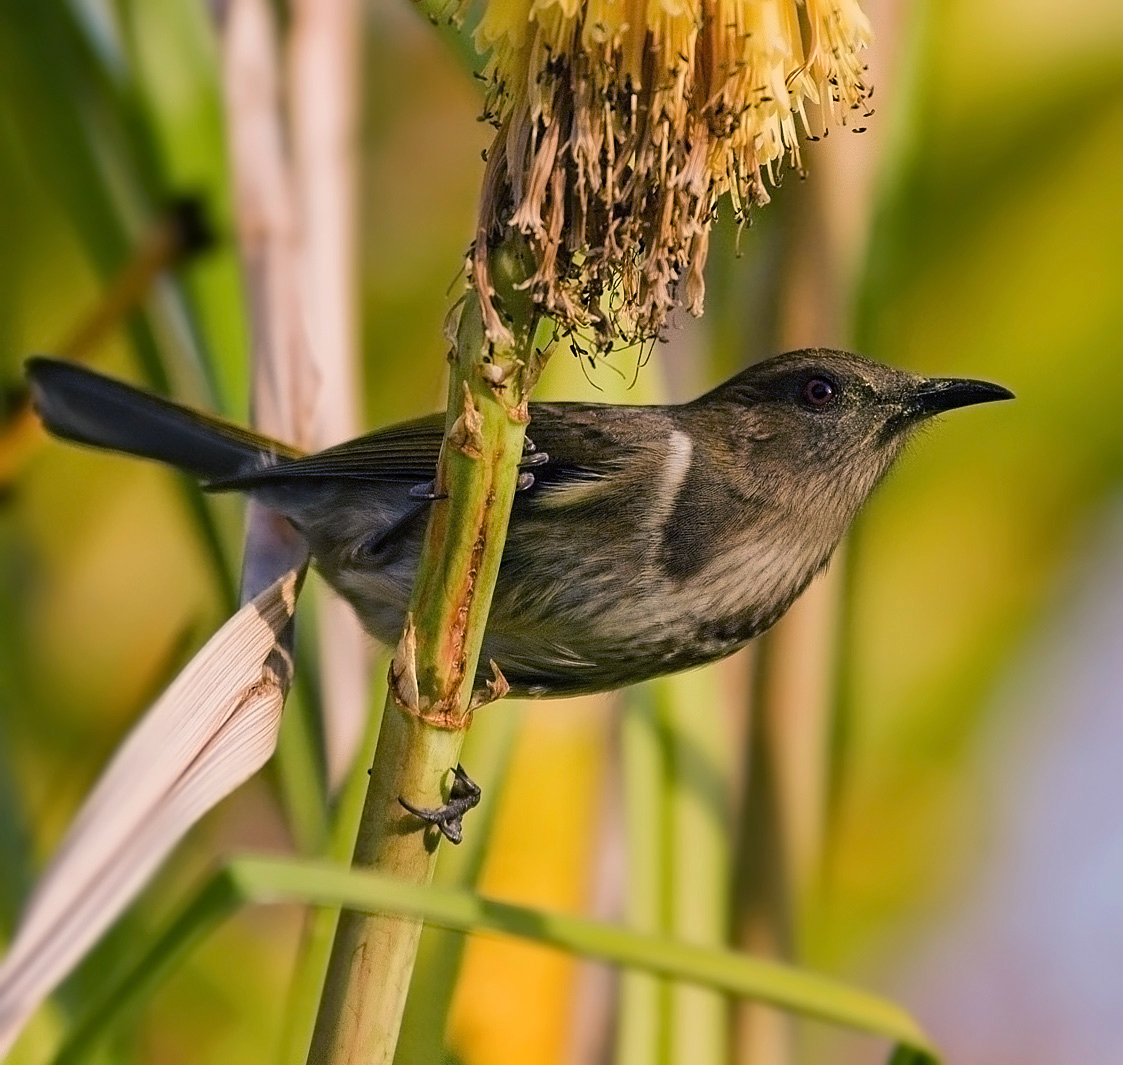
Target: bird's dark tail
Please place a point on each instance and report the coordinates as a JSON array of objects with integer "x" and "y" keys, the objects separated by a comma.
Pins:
[{"x": 89, "y": 408}]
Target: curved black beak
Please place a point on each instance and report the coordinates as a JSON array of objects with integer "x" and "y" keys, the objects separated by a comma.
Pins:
[{"x": 939, "y": 394}]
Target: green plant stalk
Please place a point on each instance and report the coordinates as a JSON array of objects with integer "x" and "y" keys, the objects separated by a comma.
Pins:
[
  {"x": 299, "y": 769},
  {"x": 761, "y": 921},
  {"x": 643, "y": 1016},
  {"x": 287, "y": 880},
  {"x": 698, "y": 828},
  {"x": 373, "y": 954},
  {"x": 319, "y": 930},
  {"x": 431, "y": 682},
  {"x": 487, "y": 749}
]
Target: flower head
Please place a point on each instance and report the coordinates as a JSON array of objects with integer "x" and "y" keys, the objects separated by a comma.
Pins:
[{"x": 622, "y": 122}]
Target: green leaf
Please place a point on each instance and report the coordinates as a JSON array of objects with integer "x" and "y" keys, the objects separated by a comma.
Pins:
[{"x": 282, "y": 880}]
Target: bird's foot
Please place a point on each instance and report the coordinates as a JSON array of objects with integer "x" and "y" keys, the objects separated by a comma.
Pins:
[
  {"x": 462, "y": 797},
  {"x": 530, "y": 448},
  {"x": 427, "y": 491},
  {"x": 531, "y": 457}
]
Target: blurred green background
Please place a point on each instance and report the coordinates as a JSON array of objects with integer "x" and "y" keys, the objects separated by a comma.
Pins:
[{"x": 973, "y": 863}]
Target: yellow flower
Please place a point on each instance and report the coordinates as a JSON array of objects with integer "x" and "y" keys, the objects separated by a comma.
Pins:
[{"x": 622, "y": 122}]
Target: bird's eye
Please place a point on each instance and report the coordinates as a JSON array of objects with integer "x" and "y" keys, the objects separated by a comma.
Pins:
[{"x": 818, "y": 393}]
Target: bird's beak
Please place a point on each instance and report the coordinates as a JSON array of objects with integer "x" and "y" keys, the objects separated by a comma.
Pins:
[{"x": 939, "y": 394}]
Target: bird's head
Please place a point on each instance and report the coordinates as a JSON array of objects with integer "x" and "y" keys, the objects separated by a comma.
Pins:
[{"x": 827, "y": 424}]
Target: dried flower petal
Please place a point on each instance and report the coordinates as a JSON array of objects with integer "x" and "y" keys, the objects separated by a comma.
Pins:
[{"x": 622, "y": 122}]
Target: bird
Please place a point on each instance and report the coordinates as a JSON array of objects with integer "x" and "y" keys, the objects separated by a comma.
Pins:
[{"x": 645, "y": 540}]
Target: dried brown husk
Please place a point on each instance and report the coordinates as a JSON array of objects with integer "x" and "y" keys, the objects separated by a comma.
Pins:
[{"x": 620, "y": 127}]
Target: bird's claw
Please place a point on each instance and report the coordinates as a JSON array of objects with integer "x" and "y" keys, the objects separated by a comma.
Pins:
[
  {"x": 531, "y": 457},
  {"x": 427, "y": 491},
  {"x": 464, "y": 795}
]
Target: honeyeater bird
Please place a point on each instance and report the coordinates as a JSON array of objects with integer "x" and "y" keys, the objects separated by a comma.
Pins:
[{"x": 648, "y": 539}]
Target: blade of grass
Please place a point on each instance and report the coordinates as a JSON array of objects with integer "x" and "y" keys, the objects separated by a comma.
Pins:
[
  {"x": 641, "y": 1035},
  {"x": 172, "y": 56},
  {"x": 94, "y": 146},
  {"x": 218, "y": 900},
  {"x": 282, "y": 880},
  {"x": 298, "y": 769}
]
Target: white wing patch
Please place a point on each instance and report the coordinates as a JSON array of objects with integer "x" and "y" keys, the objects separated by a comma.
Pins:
[{"x": 676, "y": 465}]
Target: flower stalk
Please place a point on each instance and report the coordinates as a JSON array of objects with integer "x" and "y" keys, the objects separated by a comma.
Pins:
[{"x": 433, "y": 686}]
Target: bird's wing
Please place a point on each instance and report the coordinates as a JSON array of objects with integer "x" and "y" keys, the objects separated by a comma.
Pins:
[
  {"x": 585, "y": 442},
  {"x": 404, "y": 452},
  {"x": 579, "y": 440}
]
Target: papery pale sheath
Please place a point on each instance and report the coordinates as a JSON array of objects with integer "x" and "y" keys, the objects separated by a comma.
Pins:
[{"x": 213, "y": 728}]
